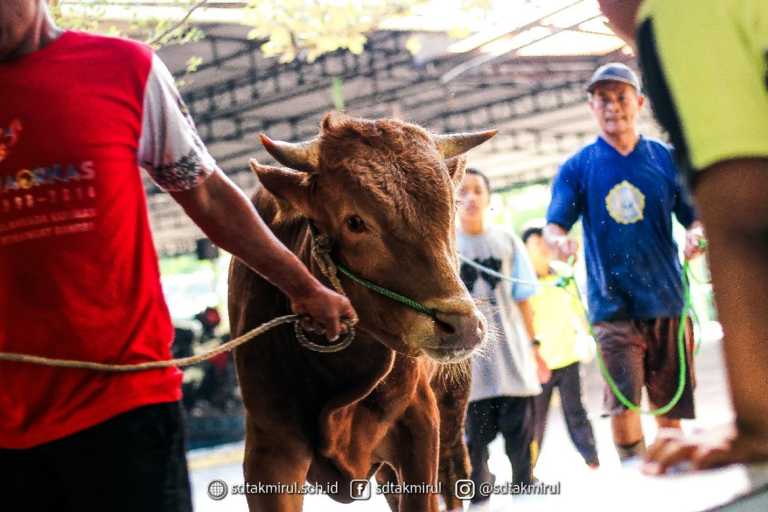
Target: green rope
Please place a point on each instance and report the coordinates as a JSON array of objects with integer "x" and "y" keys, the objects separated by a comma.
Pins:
[
  {"x": 691, "y": 275},
  {"x": 402, "y": 299},
  {"x": 563, "y": 283},
  {"x": 697, "y": 279},
  {"x": 682, "y": 365},
  {"x": 697, "y": 328}
]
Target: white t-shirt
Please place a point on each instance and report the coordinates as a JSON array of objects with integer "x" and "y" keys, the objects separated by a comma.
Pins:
[{"x": 505, "y": 365}]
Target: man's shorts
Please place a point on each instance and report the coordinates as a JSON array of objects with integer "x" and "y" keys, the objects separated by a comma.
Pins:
[
  {"x": 641, "y": 353},
  {"x": 705, "y": 67},
  {"x": 133, "y": 462}
]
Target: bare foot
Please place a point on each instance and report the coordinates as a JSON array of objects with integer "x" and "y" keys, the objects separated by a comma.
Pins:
[{"x": 703, "y": 450}]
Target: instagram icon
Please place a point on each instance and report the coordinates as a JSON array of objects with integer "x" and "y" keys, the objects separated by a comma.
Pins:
[{"x": 464, "y": 489}]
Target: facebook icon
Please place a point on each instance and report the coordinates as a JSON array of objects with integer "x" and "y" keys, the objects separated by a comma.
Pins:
[{"x": 360, "y": 489}]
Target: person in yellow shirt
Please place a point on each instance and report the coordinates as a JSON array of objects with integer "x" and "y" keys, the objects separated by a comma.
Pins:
[{"x": 559, "y": 320}]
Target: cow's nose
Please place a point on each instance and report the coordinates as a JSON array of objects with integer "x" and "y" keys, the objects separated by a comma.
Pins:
[{"x": 460, "y": 331}]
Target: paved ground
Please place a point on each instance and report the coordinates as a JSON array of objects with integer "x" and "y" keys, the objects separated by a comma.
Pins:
[{"x": 609, "y": 488}]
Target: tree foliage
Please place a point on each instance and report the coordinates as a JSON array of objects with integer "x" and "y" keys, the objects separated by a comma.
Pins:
[
  {"x": 91, "y": 15},
  {"x": 292, "y": 28},
  {"x": 314, "y": 27},
  {"x": 309, "y": 28}
]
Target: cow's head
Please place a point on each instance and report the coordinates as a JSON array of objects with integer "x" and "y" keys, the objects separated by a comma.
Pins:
[{"x": 384, "y": 192}]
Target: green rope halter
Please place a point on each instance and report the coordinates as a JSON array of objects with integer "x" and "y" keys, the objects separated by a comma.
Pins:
[{"x": 323, "y": 248}]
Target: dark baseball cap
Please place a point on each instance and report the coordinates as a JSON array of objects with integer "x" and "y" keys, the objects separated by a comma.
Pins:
[{"x": 616, "y": 72}]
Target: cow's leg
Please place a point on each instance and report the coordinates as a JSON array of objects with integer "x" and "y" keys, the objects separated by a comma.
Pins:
[
  {"x": 417, "y": 452},
  {"x": 387, "y": 475},
  {"x": 451, "y": 387},
  {"x": 277, "y": 459}
]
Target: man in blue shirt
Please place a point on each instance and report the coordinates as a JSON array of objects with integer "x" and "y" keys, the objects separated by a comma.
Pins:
[
  {"x": 708, "y": 77},
  {"x": 624, "y": 188}
]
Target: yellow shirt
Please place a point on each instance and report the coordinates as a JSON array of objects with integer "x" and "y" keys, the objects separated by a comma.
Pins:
[
  {"x": 558, "y": 319},
  {"x": 713, "y": 56}
]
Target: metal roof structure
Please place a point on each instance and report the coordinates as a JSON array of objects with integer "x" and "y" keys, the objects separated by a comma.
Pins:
[{"x": 525, "y": 77}]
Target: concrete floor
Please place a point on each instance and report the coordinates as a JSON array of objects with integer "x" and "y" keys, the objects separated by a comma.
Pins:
[{"x": 612, "y": 487}]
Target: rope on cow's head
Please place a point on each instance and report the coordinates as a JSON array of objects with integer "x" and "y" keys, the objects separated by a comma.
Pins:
[{"x": 321, "y": 251}]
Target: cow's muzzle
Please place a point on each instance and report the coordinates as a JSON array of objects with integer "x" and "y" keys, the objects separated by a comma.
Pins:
[{"x": 458, "y": 335}]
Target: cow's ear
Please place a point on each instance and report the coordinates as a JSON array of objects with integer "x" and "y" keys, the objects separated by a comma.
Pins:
[
  {"x": 456, "y": 166},
  {"x": 290, "y": 187}
]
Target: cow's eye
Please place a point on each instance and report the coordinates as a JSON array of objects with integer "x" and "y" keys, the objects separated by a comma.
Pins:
[{"x": 355, "y": 224}]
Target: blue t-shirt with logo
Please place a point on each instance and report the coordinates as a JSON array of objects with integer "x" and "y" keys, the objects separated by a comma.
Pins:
[{"x": 626, "y": 205}]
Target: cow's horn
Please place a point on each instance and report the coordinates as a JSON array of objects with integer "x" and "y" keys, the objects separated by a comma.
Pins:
[
  {"x": 302, "y": 156},
  {"x": 454, "y": 144}
]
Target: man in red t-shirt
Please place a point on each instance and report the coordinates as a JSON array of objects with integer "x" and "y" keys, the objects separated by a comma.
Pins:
[{"x": 79, "y": 114}]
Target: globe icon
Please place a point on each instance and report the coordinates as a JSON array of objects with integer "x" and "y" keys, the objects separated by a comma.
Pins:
[{"x": 217, "y": 490}]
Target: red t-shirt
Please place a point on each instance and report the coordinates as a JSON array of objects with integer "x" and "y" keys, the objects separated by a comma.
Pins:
[{"x": 79, "y": 276}]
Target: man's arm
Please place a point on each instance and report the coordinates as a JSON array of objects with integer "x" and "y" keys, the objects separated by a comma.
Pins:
[
  {"x": 542, "y": 370},
  {"x": 621, "y": 15},
  {"x": 229, "y": 219},
  {"x": 171, "y": 151},
  {"x": 686, "y": 214},
  {"x": 521, "y": 292},
  {"x": 694, "y": 240},
  {"x": 527, "y": 313},
  {"x": 564, "y": 209},
  {"x": 558, "y": 240}
]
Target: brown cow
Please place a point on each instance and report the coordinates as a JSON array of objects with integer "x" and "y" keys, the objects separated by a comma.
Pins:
[{"x": 383, "y": 191}]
